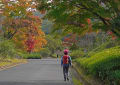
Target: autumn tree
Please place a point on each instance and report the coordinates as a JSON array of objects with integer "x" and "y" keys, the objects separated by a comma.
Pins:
[
  {"x": 70, "y": 40},
  {"x": 21, "y": 25},
  {"x": 30, "y": 41},
  {"x": 14, "y": 13}
]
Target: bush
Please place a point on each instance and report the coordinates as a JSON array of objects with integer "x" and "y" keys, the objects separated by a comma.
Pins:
[
  {"x": 100, "y": 48},
  {"x": 55, "y": 55},
  {"x": 7, "y": 49},
  {"x": 76, "y": 54},
  {"x": 32, "y": 56},
  {"x": 45, "y": 52},
  {"x": 105, "y": 64}
]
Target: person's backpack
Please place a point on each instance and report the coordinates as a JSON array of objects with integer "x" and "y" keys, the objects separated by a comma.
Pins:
[{"x": 65, "y": 59}]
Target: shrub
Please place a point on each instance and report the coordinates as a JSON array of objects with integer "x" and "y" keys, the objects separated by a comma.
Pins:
[
  {"x": 76, "y": 54},
  {"x": 104, "y": 64},
  {"x": 32, "y": 56},
  {"x": 7, "y": 49},
  {"x": 108, "y": 44},
  {"x": 45, "y": 52},
  {"x": 54, "y": 55}
]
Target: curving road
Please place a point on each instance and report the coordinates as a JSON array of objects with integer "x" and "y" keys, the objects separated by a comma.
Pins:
[{"x": 35, "y": 72}]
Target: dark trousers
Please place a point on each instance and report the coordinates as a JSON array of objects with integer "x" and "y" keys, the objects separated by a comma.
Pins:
[{"x": 65, "y": 71}]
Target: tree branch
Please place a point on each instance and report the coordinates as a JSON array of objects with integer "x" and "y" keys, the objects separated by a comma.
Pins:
[{"x": 94, "y": 13}]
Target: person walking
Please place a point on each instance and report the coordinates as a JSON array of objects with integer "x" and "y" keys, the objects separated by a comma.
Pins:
[
  {"x": 57, "y": 58},
  {"x": 66, "y": 63}
]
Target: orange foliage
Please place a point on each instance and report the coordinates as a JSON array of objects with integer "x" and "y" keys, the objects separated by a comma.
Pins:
[
  {"x": 24, "y": 35},
  {"x": 21, "y": 21},
  {"x": 89, "y": 25},
  {"x": 42, "y": 11}
]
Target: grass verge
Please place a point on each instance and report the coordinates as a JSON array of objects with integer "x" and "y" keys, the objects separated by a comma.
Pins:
[
  {"x": 6, "y": 63},
  {"x": 76, "y": 81}
]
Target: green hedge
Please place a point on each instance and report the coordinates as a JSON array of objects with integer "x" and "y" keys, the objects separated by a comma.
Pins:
[
  {"x": 32, "y": 56},
  {"x": 106, "y": 45},
  {"x": 45, "y": 52},
  {"x": 104, "y": 65},
  {"x": 76, "y": 54}
]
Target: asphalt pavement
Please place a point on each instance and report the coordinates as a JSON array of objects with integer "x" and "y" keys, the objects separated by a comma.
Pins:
[{"x": 35, "y": 72}]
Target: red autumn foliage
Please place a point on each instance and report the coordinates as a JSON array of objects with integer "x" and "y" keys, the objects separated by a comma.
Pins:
[
  {"x": 68, "y": 41},
  {"x": 109, "y": 32},
  {"x": 30, "y": 43},
  {"x": 114, "y": 37},
  {"x": 88, "y": 21}
]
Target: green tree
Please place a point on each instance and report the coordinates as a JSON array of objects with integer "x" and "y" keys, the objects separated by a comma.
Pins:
[
  {"x": 53, "y": 44},
  {"x": 72, "y": 15}
]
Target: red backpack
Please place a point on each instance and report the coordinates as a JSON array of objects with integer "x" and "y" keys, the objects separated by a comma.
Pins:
[{"x": 65, "y": 59}]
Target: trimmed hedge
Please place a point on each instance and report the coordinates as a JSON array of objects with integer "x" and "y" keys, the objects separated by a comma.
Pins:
[
  {"x": 104, "y": 65},
  {"x": 76, "y": 54},
  {"x": 32, "y": 56}
]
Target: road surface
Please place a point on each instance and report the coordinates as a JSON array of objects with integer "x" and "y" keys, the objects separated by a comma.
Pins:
[{"x": 35, "y": 72}]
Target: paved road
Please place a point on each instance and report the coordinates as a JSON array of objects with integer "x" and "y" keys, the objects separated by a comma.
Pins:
[{"x": 35, "y": 72}]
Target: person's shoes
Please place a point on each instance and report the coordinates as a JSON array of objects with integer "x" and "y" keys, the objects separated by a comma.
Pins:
[
  {"x": 64, "y": 79},
  {"x": 67, "y": 79}
]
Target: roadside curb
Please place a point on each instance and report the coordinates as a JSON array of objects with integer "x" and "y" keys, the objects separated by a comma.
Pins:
[{"x": 12, "y": 65}]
